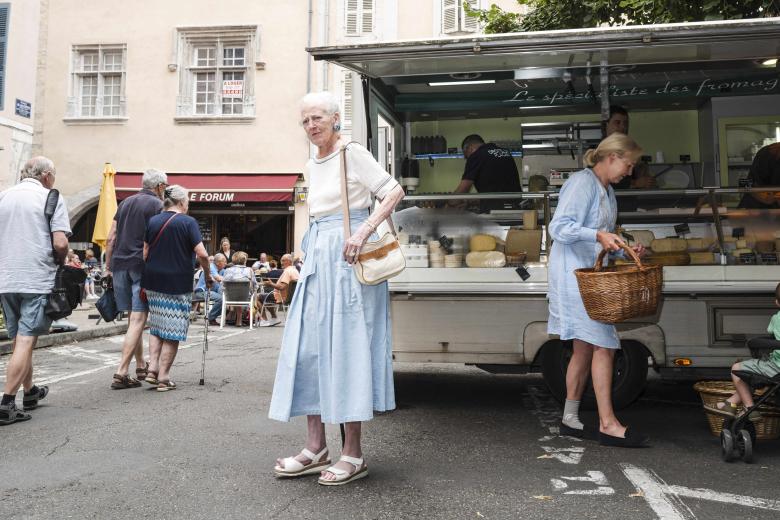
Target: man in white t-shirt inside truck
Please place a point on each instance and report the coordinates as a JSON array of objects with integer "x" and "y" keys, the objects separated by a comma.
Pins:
[{"x": 279, "y": 294}]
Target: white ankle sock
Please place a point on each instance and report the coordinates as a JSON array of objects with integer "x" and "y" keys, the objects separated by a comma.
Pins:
[{"x": 571, "y": 416}]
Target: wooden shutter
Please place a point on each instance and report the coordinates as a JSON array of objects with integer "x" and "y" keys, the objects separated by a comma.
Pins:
[
  {"x": 469, "y": 23},
  {"x": 346, "y": 96},
  {"x": 351, "y": 12},
  {"x": 367, "y": 17},
  {"x": 449, "y": 16},
  {"x": 4, "y": 15}
]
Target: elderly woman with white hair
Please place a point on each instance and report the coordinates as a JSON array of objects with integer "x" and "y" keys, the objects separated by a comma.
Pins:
[
  {"x": 171, "y": 245},
  {"x": 335, "y": 363}
]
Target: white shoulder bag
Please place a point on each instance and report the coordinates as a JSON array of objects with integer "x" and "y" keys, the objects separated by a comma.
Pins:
[{"x": 379, "y": 260}]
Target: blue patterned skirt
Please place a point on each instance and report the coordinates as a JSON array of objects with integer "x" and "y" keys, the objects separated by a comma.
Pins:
[{"x": 169, "y": 315}]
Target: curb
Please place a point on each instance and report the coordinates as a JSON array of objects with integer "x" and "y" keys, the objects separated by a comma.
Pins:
[{"x": 50, "y": 340}]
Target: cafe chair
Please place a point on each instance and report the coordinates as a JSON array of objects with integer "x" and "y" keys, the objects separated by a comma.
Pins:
[
  {"x": 285, "y": 305},
  {"x": 237, "y": 292}
]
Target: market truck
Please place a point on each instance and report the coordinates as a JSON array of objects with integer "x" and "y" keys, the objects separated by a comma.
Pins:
[{"x": 703, "y": 99}]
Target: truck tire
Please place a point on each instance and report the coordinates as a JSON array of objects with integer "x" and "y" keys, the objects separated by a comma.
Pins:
[{"x": 628, "y": 379}]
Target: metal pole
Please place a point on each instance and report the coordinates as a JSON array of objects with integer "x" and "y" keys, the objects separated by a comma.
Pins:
[{"x": 205, "y": 336}]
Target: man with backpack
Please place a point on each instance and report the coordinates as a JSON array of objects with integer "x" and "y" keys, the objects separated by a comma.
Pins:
[{"x": 27, "y": 277}]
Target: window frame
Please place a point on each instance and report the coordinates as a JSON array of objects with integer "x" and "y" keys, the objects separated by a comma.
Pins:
[
  {"x": 464, "y": 24},
  {"x": 234, "y": 48},
  {"x": 97, "y": 70},
  {"x": 360, "y": 12}
]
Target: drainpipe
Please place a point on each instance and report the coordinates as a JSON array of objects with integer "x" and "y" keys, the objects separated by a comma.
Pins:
[
  {"x": 324, "y": 8},
  {"x": 308, "y": 45}
]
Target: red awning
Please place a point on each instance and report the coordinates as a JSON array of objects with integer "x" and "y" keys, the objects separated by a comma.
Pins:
[{"x": 223, "y": 187}]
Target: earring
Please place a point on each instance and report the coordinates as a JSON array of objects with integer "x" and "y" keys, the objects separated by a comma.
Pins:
[{"x": 337, "y": 127}]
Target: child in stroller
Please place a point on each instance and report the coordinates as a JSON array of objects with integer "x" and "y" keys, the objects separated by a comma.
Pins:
[{"x": 762, "y": 370}]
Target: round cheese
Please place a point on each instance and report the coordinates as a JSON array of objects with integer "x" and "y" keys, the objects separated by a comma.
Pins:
[
  {"x": 482, "y": 243},
  {"x": 485, "y": 259}
]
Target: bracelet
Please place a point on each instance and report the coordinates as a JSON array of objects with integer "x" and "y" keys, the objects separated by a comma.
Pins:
[{"x": 369, "y": 224}]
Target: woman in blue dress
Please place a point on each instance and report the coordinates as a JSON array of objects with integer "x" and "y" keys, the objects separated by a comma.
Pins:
[
  {"x": 335, "y": 363},
  {"x": 583, "y": 224}
]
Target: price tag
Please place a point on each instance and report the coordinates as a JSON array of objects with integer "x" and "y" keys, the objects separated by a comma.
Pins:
[
  {"x": 738, "y": 232},
  {"x": 682, "y": 229},
  {"x": 523, "y": 273}
]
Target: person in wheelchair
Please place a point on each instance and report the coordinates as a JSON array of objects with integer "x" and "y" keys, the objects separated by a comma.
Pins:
[{"x": 764, "y": 368}]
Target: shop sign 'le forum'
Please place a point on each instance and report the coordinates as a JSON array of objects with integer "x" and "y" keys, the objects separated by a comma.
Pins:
[{"x": 210, "y": 196}]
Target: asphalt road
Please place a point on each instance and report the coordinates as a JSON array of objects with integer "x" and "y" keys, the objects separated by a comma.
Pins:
[{"x": 462, "y": 444}]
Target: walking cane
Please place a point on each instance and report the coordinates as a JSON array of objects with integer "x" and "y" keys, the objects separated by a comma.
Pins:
[{"x": 205, "y": 337}]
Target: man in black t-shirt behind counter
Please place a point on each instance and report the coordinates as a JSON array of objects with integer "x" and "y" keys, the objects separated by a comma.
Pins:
[{"x": 489, "y": 169}]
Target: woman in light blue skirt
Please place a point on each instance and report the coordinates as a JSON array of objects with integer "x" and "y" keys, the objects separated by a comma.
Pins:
[{"x": 335, "y": 363}]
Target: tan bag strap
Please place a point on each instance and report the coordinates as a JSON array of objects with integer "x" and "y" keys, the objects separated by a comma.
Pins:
[{"x": 345, "y": 198}]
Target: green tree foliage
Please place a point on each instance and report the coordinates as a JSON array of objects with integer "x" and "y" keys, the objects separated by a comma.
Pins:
[{"x": 573, "y": 14}]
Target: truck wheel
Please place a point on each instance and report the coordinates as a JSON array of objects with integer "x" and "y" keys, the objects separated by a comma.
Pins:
[{"x": 628, "y": 378}]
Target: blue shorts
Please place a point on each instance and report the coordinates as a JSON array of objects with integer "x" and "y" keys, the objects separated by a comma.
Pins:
[
  {"x": 127, "y": 291},
  {"x": 25, "y": 314}
]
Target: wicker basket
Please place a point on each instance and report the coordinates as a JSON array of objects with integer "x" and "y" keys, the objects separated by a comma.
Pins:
[
  {"x": 713, "y": 391},
  {"x": 621, "y": 292}
]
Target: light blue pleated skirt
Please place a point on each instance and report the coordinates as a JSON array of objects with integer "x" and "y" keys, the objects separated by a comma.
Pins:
[{"x": 336, "y": 354}]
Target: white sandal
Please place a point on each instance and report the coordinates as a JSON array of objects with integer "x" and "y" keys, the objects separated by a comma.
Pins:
[
  {"x": 295, "y": 468},
  {"x": 344, "y": 477}
]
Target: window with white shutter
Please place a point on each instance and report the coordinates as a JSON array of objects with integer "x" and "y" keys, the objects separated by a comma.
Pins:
[
  {"x": 4, "y": 20},
  {"x": 454, "y": 19},
  {"x": 359, "y": 17},
  {"x": 346, "y": 100},
  {"x": 98, "y": 78}
]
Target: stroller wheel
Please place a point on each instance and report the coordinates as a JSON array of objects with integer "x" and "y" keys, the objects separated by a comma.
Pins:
[
  {"x": 745, "y": 443},
  {"x": 751, "y": 429},
  {"x": 726, "y": 445}
]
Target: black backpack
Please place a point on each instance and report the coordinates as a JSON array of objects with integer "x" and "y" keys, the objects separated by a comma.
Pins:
[{"x": 66, "y": 294}]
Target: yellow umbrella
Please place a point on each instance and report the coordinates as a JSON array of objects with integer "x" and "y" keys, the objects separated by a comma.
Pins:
[{"x": 106, "y": 207}]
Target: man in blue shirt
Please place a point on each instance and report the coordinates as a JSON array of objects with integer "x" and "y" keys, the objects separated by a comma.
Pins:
[
  {"x": 217, "y": 269},
  {"x": 125, "y": 262}
]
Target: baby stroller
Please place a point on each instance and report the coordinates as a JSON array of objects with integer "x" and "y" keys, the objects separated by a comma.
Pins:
[{"x": 739, "y": 434}]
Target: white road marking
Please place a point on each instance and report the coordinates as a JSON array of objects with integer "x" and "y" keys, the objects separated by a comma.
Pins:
[
  {"x": 107, "y": 360},
  {"x": 571, "y": 455},
  {"x": 596, "y": 477},
  {"x": 665, "y": 499}
]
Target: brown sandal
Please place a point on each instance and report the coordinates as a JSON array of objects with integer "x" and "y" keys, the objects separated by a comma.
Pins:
[
  {"x": 122, "y": 382},
  {"x": 141, "y": 373}
]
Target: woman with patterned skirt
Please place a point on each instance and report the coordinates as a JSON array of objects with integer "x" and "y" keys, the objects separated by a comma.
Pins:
[{"x": 171, "y": 245}]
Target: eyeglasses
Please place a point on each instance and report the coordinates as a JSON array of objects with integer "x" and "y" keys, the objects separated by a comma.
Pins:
[{"x": 312, "y": 119}]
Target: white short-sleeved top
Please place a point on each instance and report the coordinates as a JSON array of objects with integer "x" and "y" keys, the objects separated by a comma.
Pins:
[
  {"x": 364, "y": 177},
  {"x": 25, "y": 241}
]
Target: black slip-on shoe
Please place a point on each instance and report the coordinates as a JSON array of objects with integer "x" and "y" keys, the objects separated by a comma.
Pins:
[
  {"x": 632, "y": 439},
  {"x": 30, "y": 401},
  {"x": 587, "y": 432}
]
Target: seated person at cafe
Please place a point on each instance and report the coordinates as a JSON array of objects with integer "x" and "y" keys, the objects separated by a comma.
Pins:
[
  {"x": 262, "y": 262},
  {"x": 765, "y": 171},
  {"x": 217, "y": 268},
  {"x": 240, "y": 272},
  {"x": 288, "y": 274}
]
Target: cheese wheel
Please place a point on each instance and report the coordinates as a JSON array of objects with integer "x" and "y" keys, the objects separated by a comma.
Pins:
[
  {"x": 702, "y": 258},
  {"x": 642, "y": 236},
  {"x": 668, "y": 245},
  {"x": 485, "y": 259},
  {"x": 696, "y": 244},
  {"x": 482, "y": 243},
  {"x": 742, "y": 251},
  {"x": 741, "y": 243}
]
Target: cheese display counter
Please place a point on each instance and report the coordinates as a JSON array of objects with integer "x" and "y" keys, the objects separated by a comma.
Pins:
[{"x": 720, "y": 272}]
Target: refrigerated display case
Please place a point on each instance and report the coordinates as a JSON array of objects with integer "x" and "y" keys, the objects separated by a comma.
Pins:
[{"x": 720, "y": 272}]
